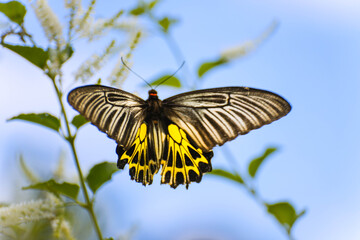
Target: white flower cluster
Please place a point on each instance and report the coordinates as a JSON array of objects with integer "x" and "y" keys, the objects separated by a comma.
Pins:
[
  {"x": 248, "y": 46},
  {"x": 130, "y": 24},
  {"x": 95, "y": 28},
  {"x": 29, "y": 211},
  {"x": 74, "y": 4},
  {"x": 238, "y": 51},
  {"x": 94, "y": 63},
  {"x": 86, "y": 26},
  {"x": 62, "y": 229},
  {"x": 53, "y": 63},
  {"x": 120, "y": 72},
  {"x": 49, "y": 21}
]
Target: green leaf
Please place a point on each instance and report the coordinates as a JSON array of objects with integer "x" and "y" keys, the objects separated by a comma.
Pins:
[
  {"x": 100, "y": 174},
  {"x": 143, "y": 8},
  {"x": 232, "y": 176},
  {"x": 166, "y": 22},
  {"x": 14, "y": 10},
  {"x": 171, "y": 82},
  {"x": 70, "y": 190},
  {"x": 44, "y": 119},
  {"x": 207, "y": 66},
  {"x": 152, "y": 4},
  {"x": 78, "y": 121},
  {"x": 138, "y": 11},
  {"x": 285, "y": 213},
  {"x": 35, "y": 55},
  {"x": 256, "y": 162},
  {"x": 66, "y": 53}
]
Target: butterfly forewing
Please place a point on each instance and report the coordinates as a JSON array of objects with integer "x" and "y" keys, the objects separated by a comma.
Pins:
[
  {"x": 113, "y": 111},
  {"x": 214, "y": 116}
]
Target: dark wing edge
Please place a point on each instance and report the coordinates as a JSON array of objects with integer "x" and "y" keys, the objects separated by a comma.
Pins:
[
  {"x": 117, "y": 113},
  {"x": 214, "y": 116}
]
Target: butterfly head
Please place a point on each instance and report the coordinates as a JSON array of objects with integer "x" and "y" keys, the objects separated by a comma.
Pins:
[{"x": 153, "y": 94}]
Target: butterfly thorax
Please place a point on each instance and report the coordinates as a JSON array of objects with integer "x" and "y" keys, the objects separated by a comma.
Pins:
[{"x": 154, "y": 110}]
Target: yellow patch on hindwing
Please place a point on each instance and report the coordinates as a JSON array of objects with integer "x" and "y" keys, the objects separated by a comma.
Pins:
[
  {"x": 142, "y": 166},
  {"x": 182, "y": 163}
]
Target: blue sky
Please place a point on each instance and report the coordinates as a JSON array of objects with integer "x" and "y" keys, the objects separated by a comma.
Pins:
[{"x": 312, "y": 60}]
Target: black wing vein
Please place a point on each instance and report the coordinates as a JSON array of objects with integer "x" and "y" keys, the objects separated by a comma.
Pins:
[
  {"x": 214, "y": 116},
  {"x": 117, "y": 113}
]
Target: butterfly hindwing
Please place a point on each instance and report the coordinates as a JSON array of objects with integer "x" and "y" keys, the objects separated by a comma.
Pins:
[
  {"x": 142, "y": 165},
  {"x": 182, "y": 162}
]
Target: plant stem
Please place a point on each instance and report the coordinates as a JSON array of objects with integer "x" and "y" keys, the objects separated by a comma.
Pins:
[{"x": 70, "y": 138}]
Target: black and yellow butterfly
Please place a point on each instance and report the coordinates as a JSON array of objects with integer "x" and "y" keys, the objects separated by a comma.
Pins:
[{"x": 179, "y": 132}]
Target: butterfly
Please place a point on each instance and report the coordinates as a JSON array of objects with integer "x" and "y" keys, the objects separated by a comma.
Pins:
[{"x": 178, "y": 133}]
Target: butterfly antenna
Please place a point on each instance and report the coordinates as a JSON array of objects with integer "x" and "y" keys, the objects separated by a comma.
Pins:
[
  {"x": 171, "y": 75},
  {"x": 122, "y": 60}
]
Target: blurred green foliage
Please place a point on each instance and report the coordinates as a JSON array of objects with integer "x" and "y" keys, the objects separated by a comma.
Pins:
[
  {"x": 171, "y": 81},
  {"x": 207, "y": 66},
  {"x": 283, "y": 212}
]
